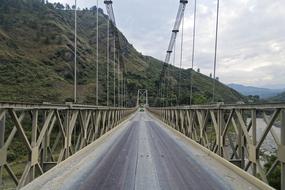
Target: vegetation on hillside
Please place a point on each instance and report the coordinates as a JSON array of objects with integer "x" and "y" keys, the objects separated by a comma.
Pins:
[
  {"x": 36, "y": 59},
  {"x": 274, "y": 178},
  {"x": 279, "y": 98}
]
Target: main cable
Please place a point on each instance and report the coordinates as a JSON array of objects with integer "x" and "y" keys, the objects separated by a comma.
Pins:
[
  {"x": 216, "y": 49},
  {"x": 181, "y": 60}
]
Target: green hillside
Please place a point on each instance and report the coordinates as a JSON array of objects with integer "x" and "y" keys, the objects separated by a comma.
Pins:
[
  {"x": 36, "y": 59},
  {"x": 279, "y": 98}
]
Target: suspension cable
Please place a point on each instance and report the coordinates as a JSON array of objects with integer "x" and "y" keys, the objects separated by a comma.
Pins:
[
  {"x": 181, "y": 60},
  {"x": 174, "y": 63},
  {"x": 125, "y": 93},
  {"x": 216, "y": 48},
  {"x": 166, "y": 86},
  {"x": 75, "y": 54},
  {"x": 114, "y": 75},
  {"x": 193, "y": 53},
  {"x": 97, "y": 55},
  {"x": 164, "y": 91},
  {"x": 122, "y": 88},
  {"x": 118, "y": 79},
  {"x": 108, "y": 60}
]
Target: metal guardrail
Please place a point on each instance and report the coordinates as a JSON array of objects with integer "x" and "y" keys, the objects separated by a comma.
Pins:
[
  {"x": 234, "y": 133},
  {"x": 46, "y": 134}
]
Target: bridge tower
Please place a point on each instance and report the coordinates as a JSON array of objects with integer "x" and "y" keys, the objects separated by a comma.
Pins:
[{"x": 142, "y": 93}]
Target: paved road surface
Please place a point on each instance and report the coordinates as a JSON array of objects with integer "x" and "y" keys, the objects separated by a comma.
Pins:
[{"x": 144, "y": 155}]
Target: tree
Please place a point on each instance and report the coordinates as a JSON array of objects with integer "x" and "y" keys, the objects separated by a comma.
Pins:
[
  {"x": 199, "y": 99},
  {"x": 67, "y": 7},
  {"x": 93, "y": 8},
  {"x": 49, "y": 5},
  {"x": 100, "y": 11},
  {"x": 59, "y": 6},
  {"x": 274, "y": 178},
  {"x": 198, "y": 70}
]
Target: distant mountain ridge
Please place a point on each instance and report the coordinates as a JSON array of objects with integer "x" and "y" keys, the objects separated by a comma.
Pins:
[{"x": 263, "y": 93}]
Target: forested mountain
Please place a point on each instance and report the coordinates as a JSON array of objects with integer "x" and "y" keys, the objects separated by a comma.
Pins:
[
  {"x": 36, "y": 59},
  {"x": 278, "y": 98}
]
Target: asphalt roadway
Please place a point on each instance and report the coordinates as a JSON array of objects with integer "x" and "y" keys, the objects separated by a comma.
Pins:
[
  {"x": 141, "y": 155},
  {"x": 146, "y": 157}
]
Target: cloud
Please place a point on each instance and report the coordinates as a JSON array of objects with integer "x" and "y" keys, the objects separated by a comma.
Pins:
[
  {"x": 251, "y": 41},
  {"x": 251, "y": 48}
]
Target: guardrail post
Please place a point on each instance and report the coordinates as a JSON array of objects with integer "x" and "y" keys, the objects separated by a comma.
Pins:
[
  {"x": 166, "y": 116},
  {"x": 241, "y": 144},
  {"x": 44, "y": 145},
  {"x": 2, "y": 130},
  {"x": 253, "y": 118},
  {"x": 190, "y": 120},
  {"x": 2, "y": 141},
  {"x": 282, "y": 147},
  {"x": 67, "y": 139},
  {"x": 33, "y": 143},
  {"x": 220, "y": 131}
]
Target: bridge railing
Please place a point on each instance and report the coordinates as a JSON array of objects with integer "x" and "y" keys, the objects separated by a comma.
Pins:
[
  {"x": 250, "y": 136},
  {"x": 36, "y": 137}
]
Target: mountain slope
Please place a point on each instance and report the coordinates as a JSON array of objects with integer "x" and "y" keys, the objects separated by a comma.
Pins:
[
  {"x": 279, "y": 98},
  {"x": 251, "y": 90},
  {"x": 36, "y": 59}
]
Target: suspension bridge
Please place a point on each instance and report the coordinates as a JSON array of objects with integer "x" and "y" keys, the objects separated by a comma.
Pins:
[{"x": 74, "y": 146}]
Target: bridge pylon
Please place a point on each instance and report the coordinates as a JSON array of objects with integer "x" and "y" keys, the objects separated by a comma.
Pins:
[{"x": 142, "y": 93}]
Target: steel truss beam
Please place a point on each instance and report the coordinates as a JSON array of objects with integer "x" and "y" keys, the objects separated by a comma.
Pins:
[
  {"x": 231, "y": 131},
  {"x": 50, "y": 134},
  {"x": 142, "y": 93}
]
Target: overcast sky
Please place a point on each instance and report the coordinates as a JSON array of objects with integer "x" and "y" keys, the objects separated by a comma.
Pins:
[{"x": 251, "y": 49}]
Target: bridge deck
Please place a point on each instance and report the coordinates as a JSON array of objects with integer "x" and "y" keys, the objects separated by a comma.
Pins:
[{"x": 140, "y": 154}]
